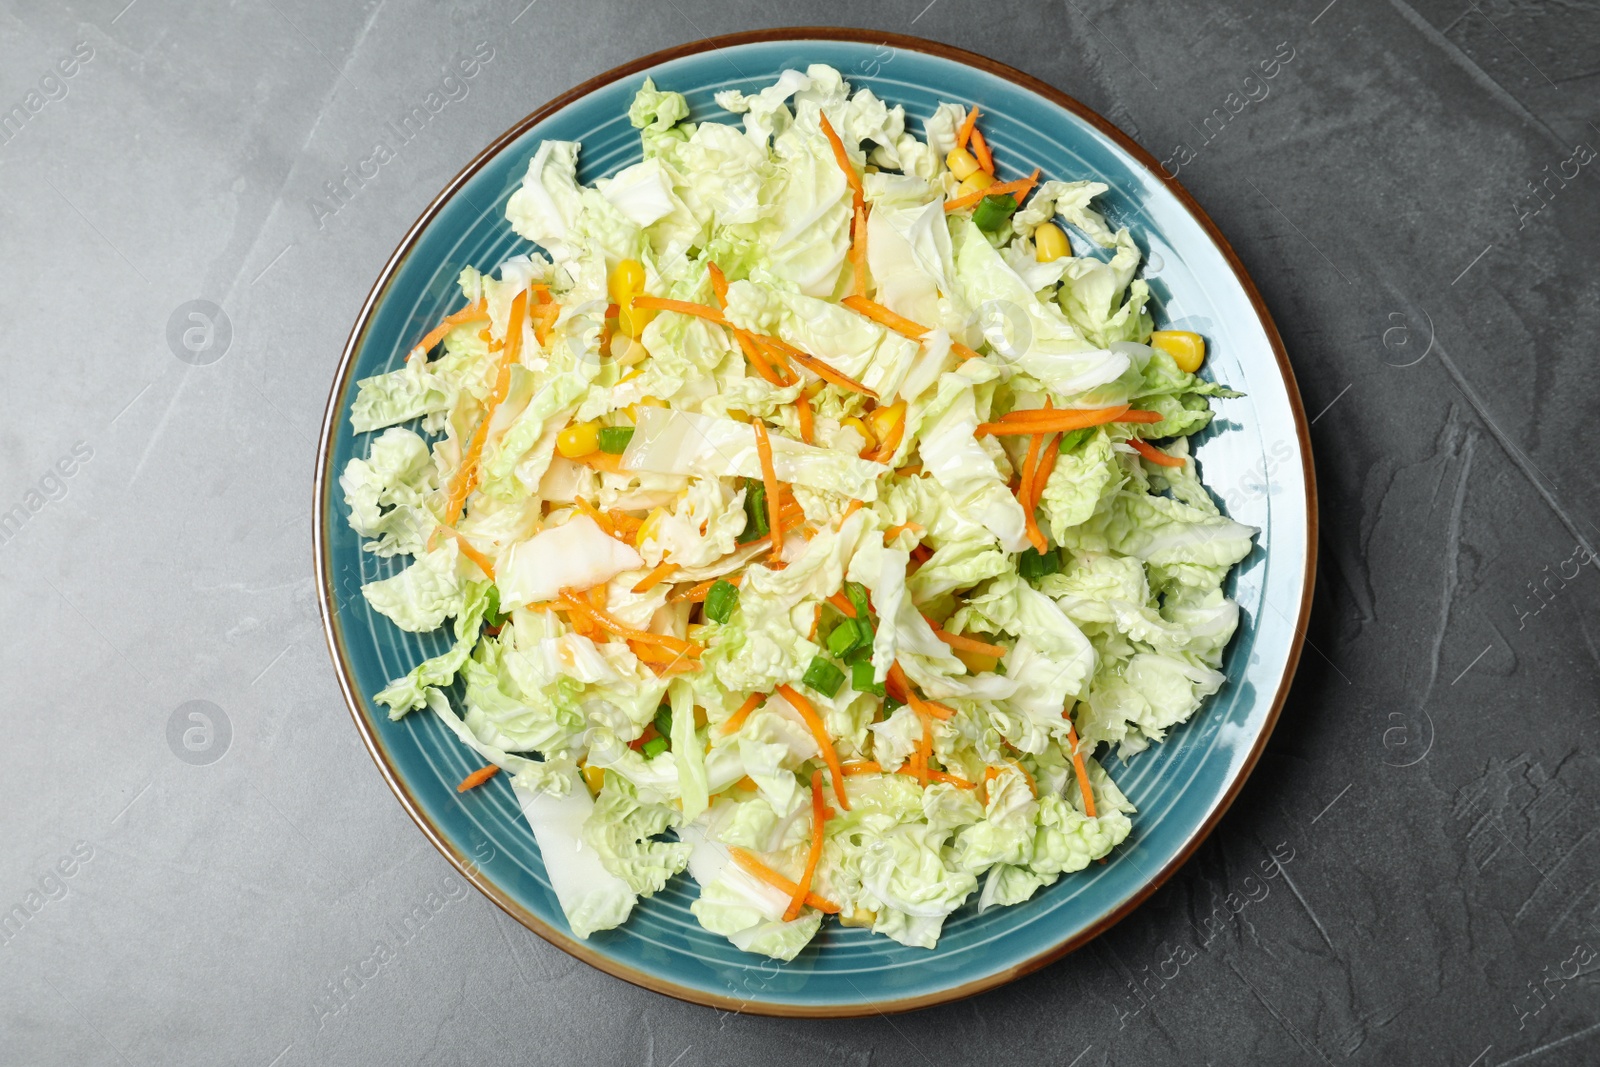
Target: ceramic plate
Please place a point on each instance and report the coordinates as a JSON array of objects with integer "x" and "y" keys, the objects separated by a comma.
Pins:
[{"x": 1255, "y": 458}]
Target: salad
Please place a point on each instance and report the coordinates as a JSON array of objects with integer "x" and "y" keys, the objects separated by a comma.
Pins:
[{"x": 807, "y": 509}]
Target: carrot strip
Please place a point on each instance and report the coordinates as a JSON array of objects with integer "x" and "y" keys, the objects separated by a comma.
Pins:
[
  {"x": 747, "y": 860},
  {"x": 970, "y": 644},
  {"x": 952, "y": 779},
  {"x": 802, "y": 409},
  {"x": 769, "y": 477},
  {"x": 1154, "y": 454},
  {"x": 910, "y": 470},
  {"x": 980, "y": 149},
  {"x": 600, "y": 519},
  {"x": 485, "y": 564},
  {"x": 603, "y": 461},
  {"x": 758, "y": 359},
  {"x": 970, "y": 123},
  {"x": 824, "y": 742},
  {"x": 838, "y": 600},
  {"x": 576, "y": 603},
  {"x": 719, "y": 284},
  {"x": 655, "y": 653},
  {"x": 895, "y": 531},
  {"x": 853, "y": 507},
  {"x": 544, "y": 320},
  {"x": 924, "y": 751},
  {"x": 857, "y": 193},
  {"x": 858, "y": 251},
  {"x": 863, "y": 766},
  {"x": 816, "y": 621},
  {"x": 1061, "y": 421},
  {"x": 596, "y": 596},
  {"x": 1041, "y": 474},
  {"x": 1019, "y": 189},
  {"x": 477, "y": 778},
  {"x": 819, "y": 821},
  {"x": 816, "y": 366},
  {"x": 681, "y": 666},
  {"x": 479, "y": 310},
  {"x": 697, "y": 593},
  {"x": 655, "y": 577},
  {"x": 736, "y": 720},
  {"x": 465, "y": 476},
  {"x": 682, "y": 307},
  {"x": 1078, "y": 769},
  {"x": 1025, "y": 492},
  {"x": 898, "y": 323}
]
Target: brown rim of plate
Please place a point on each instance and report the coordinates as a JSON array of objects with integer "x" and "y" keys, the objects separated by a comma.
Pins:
[{"x": 581, "y": 950}]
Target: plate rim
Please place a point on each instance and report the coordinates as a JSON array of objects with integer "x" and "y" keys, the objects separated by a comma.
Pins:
[{"x": 332, "y": 630}]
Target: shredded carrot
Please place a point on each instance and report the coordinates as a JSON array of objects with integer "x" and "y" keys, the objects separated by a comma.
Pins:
[
  {"x": 819, "y": 822},
  {"x": 898, "y": 323},
  {"x": 816, "y": 366},
  {"x": 802, "y": 409},
  {"x": 697, "y": 593},
  {"x": 600, "y": 519},
  {"x": 920, "y": 705},
  {"x": 851, "y": 178},
  {"x": 816, "y": 621},
  {"x": 1081, "y": 771},
  {"x": 660, "y": 574},
  {"x": 1063, "y": 420},
  {"x": 924, "y": 752},
  {"x": 824, "y": 742},
  {"x": 751, "y": 864},
  {"x": 758, "y": 359},
  {"x": 477, "y": 778},
  {"x": 627, "y": 525},
  {"x": 895, "y": 531},
  {"x": 980, "y": 149},
  {"x": 544, "y": 320},
  {"x": 838, "y": 600},
  {"x": 850, "y": 509},
  {"x": 1018, "y": 189},
  {"x": 678, "y": 666},
  {"x": 769, "y": 477},
  {"x": 970, "y": 644},
  {"x": 719, "y": 284},
  {"x": 478, "y": 310},
  {"x": 970, "y": 123},
  {"x": 596, "y": 595},
  {"x": 1041, "y": 474},
  {"x": 736, "y": 720},
  {"x": 862, "y": 766},
  {"x": 602, "y": 461},
  {"x": 1154, "y": 454},
  {"x": 1025, "y": 493},
  {"x": 655, "y": 653},
  {"x": 858, "y": 251},
  {"x": 485, "y": 564},
  {"x": 682, "y": 307},
  {"x": 909, "y": 470},
  {"x": 465, "y": 476},
  {"x": 575, "y": 603},
  {"x": 952, "y": 779}
]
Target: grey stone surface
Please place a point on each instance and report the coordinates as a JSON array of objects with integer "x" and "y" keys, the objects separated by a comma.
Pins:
[{"x": 1435, "y": 772}]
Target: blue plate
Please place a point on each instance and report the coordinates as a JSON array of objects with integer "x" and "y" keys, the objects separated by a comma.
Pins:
[{"x": 1256, "y": 459}]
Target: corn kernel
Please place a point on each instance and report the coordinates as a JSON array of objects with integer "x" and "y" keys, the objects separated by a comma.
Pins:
[
  {"x": 862, "y": 428},
  {"x": 962, "y": 164},
  {"x": 594, "y": 777},
  {"x": 627, "y": 282},
  {"x": 644, "y": 402},
  {"x": 579, "y": 439},
  {"x": 858, "y": 917},
  {"x": 631, "y": 321},
  {"x": 1050, "y": 244},
  {"x": 886, "y": 420},
  {"x": 648, "y": 528},
  {"x": 976, "y": 662},
  {"x": 1188, "y": 350},
  {"x": 738, "y": 415},
  {"x": 976, "y": 182}
]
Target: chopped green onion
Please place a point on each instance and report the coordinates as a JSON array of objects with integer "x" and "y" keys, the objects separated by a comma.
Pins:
[
  {"x": 663, "y": 720},
  {"x": 653, "y": 747},
  {"x": 890, "y": 705},
  {"x": 861, "y": 678},
  {"x": 1073, "y": 438},
  {"x": 721, "y": 599},
  {"x": 1032, "y": 566},
  {"x": 847, "y": 637},
  {"x": 755, "y": 512},
  {"x": 992, "y": 212},
  {"x": 864, "y": 652},
  {"x": 823, "y": 676},
  {"x": 614, "y": 439},
  {"x": 491, "y": 612},
  {"x": 856, "y": 593}
]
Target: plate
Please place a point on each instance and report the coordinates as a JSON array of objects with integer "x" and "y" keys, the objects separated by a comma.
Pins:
[{"x": 1256, "y": 458}]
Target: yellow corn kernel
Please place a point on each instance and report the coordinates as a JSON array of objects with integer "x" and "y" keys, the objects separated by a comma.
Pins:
[
  {"x": 886, "y": 420},
  {"x": 811, "y": 389},
  {"x": 862, "y": 428},
  {"x": 738, "y": 415},
  {"x": 976, "y": 182},
  {"x": 699, "y": 717},
  {"x": 976, "y": 662},
  {"x": 631, "y": 375},
  {"x": 627, "y": 282},
  {"x": 962, "y": 164},
  {"x": 1188, "y": 350},
  {"x": 644, "y": 402},
  {"x": 579, "y": 439},
  {"x": 631, "y": 321},
  {"x": 594, "y": 777},
  {"x": 648, "y": 528},
  {"x": 858, "y": 917},
  {"x": 1050, "y": 244}
]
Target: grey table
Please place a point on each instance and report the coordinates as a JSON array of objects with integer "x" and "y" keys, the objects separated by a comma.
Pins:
[{"x": 1416, "y": 196}]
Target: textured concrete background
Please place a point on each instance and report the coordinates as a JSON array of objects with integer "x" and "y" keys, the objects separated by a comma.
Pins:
[{"x": 1398, "y": 198}]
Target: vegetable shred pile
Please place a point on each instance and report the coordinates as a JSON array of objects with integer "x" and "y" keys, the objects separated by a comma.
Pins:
[{"x": 808, "y": 504}]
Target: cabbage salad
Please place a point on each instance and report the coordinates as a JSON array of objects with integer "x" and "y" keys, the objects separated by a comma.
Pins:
[{"x": 807, "y": 506}]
